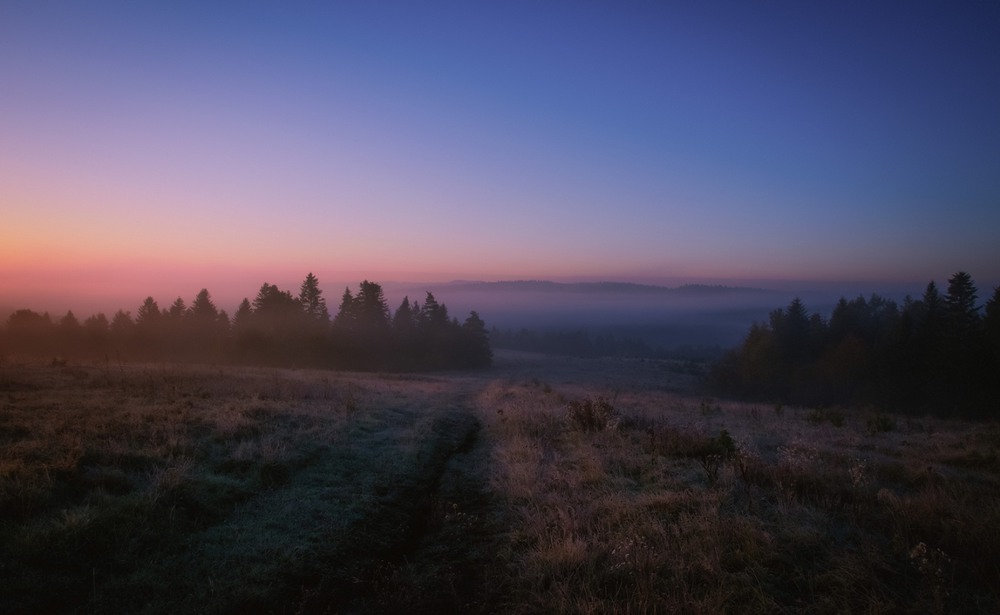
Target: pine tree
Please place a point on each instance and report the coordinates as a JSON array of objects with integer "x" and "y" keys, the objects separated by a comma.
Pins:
[
  {"x": 960, "y": 304},
  {"x": 402, "y": 320},
  {"x": 149, "y": 333},
  {"x": 312, "y": 301},
  {"x": 178, "y": 309},
  {"x": 148, "y": 314},
  {"x": 243, "y": 315},
  {"x": 435, "y": 314},
  {"x": 371, "y": 309},
  {"x": 476, "y": 341},
  {"x": 202, "y": 309},
  {"x": 347, "y": 313}
]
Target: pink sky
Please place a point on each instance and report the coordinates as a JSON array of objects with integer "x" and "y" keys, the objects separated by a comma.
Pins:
[{"x": 158, "y": 149}]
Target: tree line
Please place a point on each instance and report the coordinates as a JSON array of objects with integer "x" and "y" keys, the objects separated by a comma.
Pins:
[
  {"x": 275, "y": 328},
  {"x": 937, "y": 354}
]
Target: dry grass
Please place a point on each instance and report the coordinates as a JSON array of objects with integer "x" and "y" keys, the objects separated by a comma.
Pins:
[
  {"x": 182, "y": 489},
  {"x": 705, "y": 506},
  {"x": 592, "y": 486}
]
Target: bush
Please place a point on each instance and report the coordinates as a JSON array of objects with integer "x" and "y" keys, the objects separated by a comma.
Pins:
[
  {"x": 591, "y": 415},
  {"x": 715, "y": 453},
  {"x": 835, "y": 417},
  {"x": 880, "y": 422}
]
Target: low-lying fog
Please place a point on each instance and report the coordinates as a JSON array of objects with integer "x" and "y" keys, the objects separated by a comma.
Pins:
[
  {"x": 666, "y": 317},
  {"x": 662, "y": 317}
]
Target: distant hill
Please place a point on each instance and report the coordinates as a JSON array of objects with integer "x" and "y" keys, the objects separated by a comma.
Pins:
[{"x": 625, "y": 288}]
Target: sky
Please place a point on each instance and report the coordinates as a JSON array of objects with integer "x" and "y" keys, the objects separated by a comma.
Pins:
[{"x": 157, "y": 148}]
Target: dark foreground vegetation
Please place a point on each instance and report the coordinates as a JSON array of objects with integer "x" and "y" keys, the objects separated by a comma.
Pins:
[
  {"x": 276, "y": 329},
  {"x": 545, "y": 485},
  {"x": 231, "y": 490},
  {"x": 938, "y": 354}
]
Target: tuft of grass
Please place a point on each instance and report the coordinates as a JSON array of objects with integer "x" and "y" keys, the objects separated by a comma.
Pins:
[
  {"x": 590, "y": 415},
  {"x": 880, "y": 422},
  {"x": 675, "y": 512},
  {"x": 833, "y": 416}
]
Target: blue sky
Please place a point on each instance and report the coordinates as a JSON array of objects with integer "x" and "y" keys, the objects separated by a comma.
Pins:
[{"x": 165, "y": 147}]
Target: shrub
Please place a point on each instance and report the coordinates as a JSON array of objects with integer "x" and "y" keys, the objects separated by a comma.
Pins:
[
  {"x": 707, "y": 408},
  {"x": 717, "y": 451},
  {"x": 833, "y": 416},
  {"x": 880, "y": 422},
  {"x": 591, "y": 415}
]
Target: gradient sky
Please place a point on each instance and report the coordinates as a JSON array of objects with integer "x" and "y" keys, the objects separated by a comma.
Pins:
[{"x": 161, "y": 147}]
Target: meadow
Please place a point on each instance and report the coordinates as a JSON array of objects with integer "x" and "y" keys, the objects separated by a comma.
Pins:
[{"x": 542, "y": 484}]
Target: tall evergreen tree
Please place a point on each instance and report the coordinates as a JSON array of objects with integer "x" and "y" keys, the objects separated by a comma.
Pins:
[
  {"x": 243, "y": 315},
  {"x": 435, "y": 314},
  {"x": 991, "y": 317},
  {"x": 960, "y": 304},
  {"x": 347, "y": 312},
  {"x": 402, "y": 320},
  {"x": 203, "y": 309},
  {"x": 372, "y": 311},
  {"x": 177, "y": 309},
  {"x": 148, "y": 314},
  {"x": 205, "y": 333},
  {"x": 312, "y": 300},
  {"x": 96, "y": 329},
  {"x": 476, "y": 342}
]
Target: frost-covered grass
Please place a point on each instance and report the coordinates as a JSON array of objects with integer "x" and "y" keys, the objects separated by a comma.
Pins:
[
  {"x": 184, "y": 489},
  {"x": 541, "y": 485},
  {"x": 683, "y": 504}
]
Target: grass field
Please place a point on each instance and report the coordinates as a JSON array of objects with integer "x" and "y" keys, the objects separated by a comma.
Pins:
[{"x": 540, "y": 485}]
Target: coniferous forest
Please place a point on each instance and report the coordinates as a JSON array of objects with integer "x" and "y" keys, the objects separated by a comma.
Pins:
[
  {"x": 276, "y": 328},
  {"x": 938, "y": 354}
]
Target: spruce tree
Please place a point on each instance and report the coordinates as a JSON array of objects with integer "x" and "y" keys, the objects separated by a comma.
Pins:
[{"x": 312, "y": 301}]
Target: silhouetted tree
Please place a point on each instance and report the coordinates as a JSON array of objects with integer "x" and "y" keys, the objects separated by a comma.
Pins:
[
  {"x": 402, "y": 320},
  {"x": 150, "y": 329},
  {"x": 243, "y": 315},
  {"x": 933, "y": 355},
  {"x": 435, "y": 315},
  {"x": 249, "y": 344},
  {"x": 312, "y": 301},
  {"x": 30, "y": 333},
  {"x": 278, "y": 324},
  {"x": 97, "y": 332},
  {"x": 204, "y": 331},
  {"x": 791, "y": 332},
  {"x": 347, "y": 313},
  {"x": 991, "y": 318},
  {"x": 961, "y": 310},
  {"x": 991, "y": 331},
  {"x": 177, "y": 309},
  {"x": 476, "y": 342},
  {"x": 363, "y": 327},
  {"x": 70, "y": 335},
  {"x": 408, "y": 347},
  {"x": 275, "y": 328},
  {"x": 148, "y": 314},
  {"x": 371, "y": 310},
  {"x": 121, "y": 331},
  {"x": 202, "y": 308}
]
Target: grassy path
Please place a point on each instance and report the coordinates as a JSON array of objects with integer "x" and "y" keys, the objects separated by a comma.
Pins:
[
  {"x": 541, "y": 485},
  {"x": 236, "y": 491}
]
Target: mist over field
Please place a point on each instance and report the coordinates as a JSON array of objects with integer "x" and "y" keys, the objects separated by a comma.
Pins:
[
  {"x": 660, "y": 316},
  {"x": 554, "y": 307}
]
